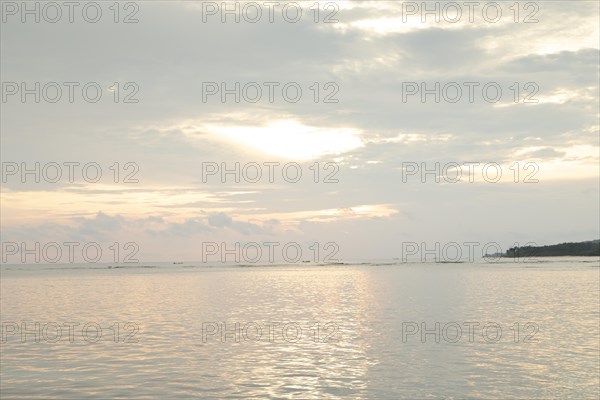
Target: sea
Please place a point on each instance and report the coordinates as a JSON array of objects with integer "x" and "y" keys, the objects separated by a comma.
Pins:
[{"x": 358, "y": 329}]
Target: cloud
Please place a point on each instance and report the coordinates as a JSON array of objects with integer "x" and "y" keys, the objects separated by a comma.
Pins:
[
  {"x": 369, "y": 54},
  {"x": 219, "y": 220}
]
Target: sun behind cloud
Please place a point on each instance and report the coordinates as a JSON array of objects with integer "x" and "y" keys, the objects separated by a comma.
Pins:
[{"x": 290, "y": 139}]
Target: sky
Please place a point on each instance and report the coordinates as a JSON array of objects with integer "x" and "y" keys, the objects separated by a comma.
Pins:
[{"x": 378, "y": 105}]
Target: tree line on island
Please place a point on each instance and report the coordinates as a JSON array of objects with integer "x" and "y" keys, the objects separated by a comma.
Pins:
[{"x": 588, "y": 248}]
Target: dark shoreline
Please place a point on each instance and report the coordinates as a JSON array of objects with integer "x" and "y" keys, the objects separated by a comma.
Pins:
[{"x": 589, "y": 248}]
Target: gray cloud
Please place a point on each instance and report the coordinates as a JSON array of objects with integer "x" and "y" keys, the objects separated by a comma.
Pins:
[{"x": 170, "y": 53}]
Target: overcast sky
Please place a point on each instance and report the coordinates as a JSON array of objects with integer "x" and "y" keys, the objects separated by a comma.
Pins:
[{"x": 373, "y": 128}]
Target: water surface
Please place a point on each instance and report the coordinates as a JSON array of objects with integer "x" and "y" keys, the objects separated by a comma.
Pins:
[{"x": 365, "y": 347}]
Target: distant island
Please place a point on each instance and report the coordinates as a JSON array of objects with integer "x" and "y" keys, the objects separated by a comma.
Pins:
[{"x": 583, "y": 249}]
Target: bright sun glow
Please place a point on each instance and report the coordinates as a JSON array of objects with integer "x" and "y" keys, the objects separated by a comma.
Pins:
[{"x": 290, "y": 139}]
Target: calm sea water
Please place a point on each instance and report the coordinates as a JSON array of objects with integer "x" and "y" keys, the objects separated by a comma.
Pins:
[{"x": 360, "y": 330}]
